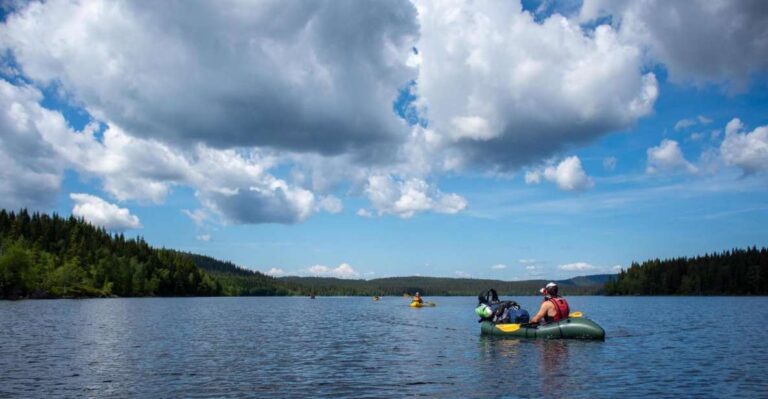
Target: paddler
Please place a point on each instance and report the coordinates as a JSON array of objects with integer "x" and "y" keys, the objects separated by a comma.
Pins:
[
  {"x": 553, "y": 308},
  {"x": 417, "y": 298}
]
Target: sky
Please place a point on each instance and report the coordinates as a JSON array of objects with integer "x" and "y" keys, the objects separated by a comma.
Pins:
[{"x": 487, "y": 139}]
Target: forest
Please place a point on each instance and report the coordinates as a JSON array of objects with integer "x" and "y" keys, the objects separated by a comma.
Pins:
[
  {"x": 239, "y": 281},
  {"x": 44, "y": 256},
  {"x": 734, "y": 272},
  {"x": 49, "y": 256},
  {"x": 441, "y": 286}
]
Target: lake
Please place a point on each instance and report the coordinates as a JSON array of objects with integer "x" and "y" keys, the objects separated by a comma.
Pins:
[{"x": 354, "y": 347}]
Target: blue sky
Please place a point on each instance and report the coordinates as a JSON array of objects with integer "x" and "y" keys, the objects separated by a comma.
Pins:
[{"x": 484, "y": 139}]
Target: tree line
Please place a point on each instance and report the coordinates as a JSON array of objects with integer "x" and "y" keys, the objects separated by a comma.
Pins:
[
  {"x": 49, "y": 256},
  {"x": 441, "y": 286},
  {"x": 239, "y": 281},
  {"x": 733, "y": 272},
  {"x": 45, "y": 256}
]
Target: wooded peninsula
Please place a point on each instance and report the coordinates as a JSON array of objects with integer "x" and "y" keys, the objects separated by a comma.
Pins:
[{"x": 49, "y": 256}]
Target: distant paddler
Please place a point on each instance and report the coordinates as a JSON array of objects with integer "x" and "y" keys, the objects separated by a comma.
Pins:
[
  {"x": 376, "y": 298},
  {"x": 418, "y": 302}
]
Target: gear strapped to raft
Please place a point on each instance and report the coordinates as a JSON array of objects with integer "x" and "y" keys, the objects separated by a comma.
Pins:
[{"x": 490, "y": 308}]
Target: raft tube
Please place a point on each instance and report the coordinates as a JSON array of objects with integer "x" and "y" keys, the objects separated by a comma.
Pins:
[{"x": 570, "y": 328}]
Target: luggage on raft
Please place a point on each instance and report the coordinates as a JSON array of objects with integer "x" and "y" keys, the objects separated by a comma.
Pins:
[{"x": 570, "y": 328}]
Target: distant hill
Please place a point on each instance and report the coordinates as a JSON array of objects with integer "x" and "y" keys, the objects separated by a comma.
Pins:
[
  {"x": 239, "y": 281},
  {"x": 587, "y": 285}
]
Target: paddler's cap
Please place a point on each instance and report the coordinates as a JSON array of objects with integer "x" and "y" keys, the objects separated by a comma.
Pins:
[{"x": 545, "y": 290}]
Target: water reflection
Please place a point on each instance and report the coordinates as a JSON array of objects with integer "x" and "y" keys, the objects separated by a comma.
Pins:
[
  {"x": 354, "y": 347},
  {"x": 553, "y": 355}
]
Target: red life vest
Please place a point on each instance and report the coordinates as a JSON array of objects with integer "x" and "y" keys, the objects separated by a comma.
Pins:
[{"x": 562, "y": 308}]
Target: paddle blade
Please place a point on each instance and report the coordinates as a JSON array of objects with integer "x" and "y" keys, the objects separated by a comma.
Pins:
[
  {"x": 508, "y": 327},
  {"x": 575, "y": 314}
]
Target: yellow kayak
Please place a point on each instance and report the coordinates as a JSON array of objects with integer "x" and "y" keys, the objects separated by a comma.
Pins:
[{"x": 415, "y": 304}]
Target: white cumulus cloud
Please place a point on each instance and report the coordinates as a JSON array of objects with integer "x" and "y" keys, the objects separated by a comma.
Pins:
[
  {"x": 667, "y": 157},
  {"x": 101, "y": 213},
  {"x": 698, "y": 41},
  {"x": 568, "y": 175},
  {"x": 229, "y": 73},
  {"x": 409, "y": 197},
  {"x": 275, "y": 272},
  {"x": 505, "y": 90},
  {"x": 499, "y": 267},
  {"x": 746, "y": 150},
  {"x": 30, "y": 169},
  {"x": 577, "y": 267},
  {"x": 344, "y": 270}
]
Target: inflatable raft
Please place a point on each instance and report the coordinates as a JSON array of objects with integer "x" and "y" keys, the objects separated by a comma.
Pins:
[
  {"x": 422, "y": 305},
  {"x": 570, "y": 328}
]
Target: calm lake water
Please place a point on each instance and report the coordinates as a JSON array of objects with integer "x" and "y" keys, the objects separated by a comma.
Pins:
[{"x": 355, "y": 347}]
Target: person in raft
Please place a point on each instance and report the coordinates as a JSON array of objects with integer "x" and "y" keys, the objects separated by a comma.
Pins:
[
  {"x": 417, "y": 298},
  {"x": 553, "y": 308}
]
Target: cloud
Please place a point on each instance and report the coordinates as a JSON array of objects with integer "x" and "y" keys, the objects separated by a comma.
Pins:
[
  {"x": 747, "y": 151},
  {"x": 331, "y": 204},
  {"x": 462, "y": 274},
  {"x": 409, "y": 197},
  {"x": 275, "y": 272},
  {"x": 362, "y": 212},
  {"x": 503, "y": 90},
  {"x": 499, "y": 267},
  {"x": 667, "y": 157},
  {"x": 344, "y": 270},
  {"x": 230, "y": 74},
  {"x": 577, "y": 267},
  {"x": 30, "y": 170},
  {"x": 101, "y": 213},
  {"x": 617, "y": 268},
  {"x": 684, "y": 124},
  {"x": 252, "y": 205},
  {"x": 204, "y": 237},
  {"x": 198, "y": 216},
  {"x": 698, "y": 41},
  {"x": 38, "y": 146},
  {"x": 568, "y": 175}
]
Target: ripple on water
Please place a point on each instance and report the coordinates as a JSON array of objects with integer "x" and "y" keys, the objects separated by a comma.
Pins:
[{"x": 353, "y": 347}]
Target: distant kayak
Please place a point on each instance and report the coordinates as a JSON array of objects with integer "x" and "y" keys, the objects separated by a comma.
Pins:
[
  {"x": 376, "y": 298},
  {"x": 415, "y": 304},
  {"x": 570, "y": 328}
]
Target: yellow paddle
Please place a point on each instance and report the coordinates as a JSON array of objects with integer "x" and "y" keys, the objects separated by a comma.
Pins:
[{"x": 510, "y": 327}]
